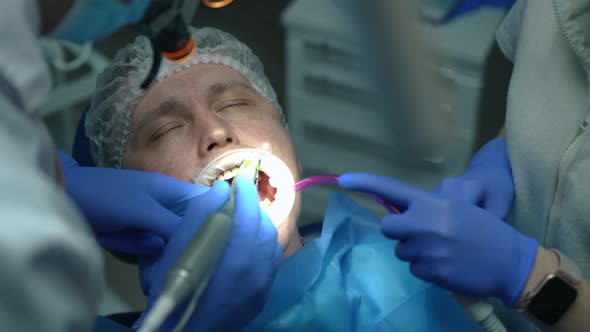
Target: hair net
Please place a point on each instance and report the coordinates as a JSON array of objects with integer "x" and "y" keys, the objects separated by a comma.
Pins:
[{"x": 118, "y": 86}]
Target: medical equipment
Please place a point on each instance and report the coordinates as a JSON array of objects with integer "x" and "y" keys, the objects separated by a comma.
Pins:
[
  {"x": 275, "y": 183},
  {"x": 73, "y": 82},
  {"x": 217, "y": 3},
  {"x": 333, "y": 179},
  {"x": 190, "y": 274},
  {"x": 167, "y": 25}
]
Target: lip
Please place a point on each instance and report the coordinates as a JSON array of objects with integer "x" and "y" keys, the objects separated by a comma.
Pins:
[
  {"x": 226, "y": 161},
  {"x": 280, "y": 177}
]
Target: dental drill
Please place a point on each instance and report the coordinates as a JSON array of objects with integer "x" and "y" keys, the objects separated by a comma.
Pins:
[{"x": 189, "y": 276}]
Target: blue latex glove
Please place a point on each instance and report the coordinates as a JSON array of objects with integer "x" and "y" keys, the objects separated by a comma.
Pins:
[
  {"x": 464, "y": 7},
  {"x": 487, "y": 182},
  {"x": 452, "y": 244},
  {"x": 242, "y": 278},
  {"x": 131, "y": 212}
]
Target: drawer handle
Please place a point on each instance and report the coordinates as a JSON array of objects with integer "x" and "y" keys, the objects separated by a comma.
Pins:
[
  {"x": 328, "y": 87},
  {"x": 325, "y": 52},
  {"x": 350, "y": 141},
  {"x": 354, "y": 142}
]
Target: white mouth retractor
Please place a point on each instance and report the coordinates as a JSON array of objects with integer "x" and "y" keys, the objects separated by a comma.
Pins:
[{"x": 280, "y": 177}]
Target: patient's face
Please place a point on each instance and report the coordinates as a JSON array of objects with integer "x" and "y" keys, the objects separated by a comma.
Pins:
[{"x": 186, "y": 120}]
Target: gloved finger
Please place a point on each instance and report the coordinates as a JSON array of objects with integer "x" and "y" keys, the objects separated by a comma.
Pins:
[
  {"x": 133, "y": 243},
  {"x": 267, "y": 236},
  {"x": 278, "y": 254},
  {"x": 246, "y": 215},
  {"x": 179, "y": 205},
  {"x": 405, "y": 252},
  {"x": 170, "y": 192},
  {"x": 420, "y": 248},
  {"x": 422, "y": 270},
  {"x": 396, "y": 192},
  {"x": 201, "y": 207},
  {"x": 460, "y": 189},
  {"x": 399, "y": 227},
  {"x": 157, "y": 220},
  {"x": 165, "y": 223},
  {"x": 269, "y": 228},
  {"x": 267, "y": 244}
]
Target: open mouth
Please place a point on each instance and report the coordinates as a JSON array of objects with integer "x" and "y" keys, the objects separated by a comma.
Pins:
[
  {"x": 266, "y": 192},
  {"x": 275, "y": 184}
]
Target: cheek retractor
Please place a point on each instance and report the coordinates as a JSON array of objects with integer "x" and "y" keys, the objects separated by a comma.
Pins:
[{"x": 275, "y": 182}]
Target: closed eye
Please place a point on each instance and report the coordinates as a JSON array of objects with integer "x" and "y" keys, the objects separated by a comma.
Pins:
[
  {"x": 232, "y": 103},
  {"x": 164, "y": 130}
]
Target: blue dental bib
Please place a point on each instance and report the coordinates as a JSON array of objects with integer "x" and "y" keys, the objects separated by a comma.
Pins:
[{"x": 350, "y": 280}]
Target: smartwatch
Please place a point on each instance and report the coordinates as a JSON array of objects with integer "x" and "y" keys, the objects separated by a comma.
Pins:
[{"x": 555, "y": 293}]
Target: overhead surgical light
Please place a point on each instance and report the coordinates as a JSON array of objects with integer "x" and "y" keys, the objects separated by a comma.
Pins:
[
  {"x": 166, "y": 23},
  {"x": 217, "y": 3}
]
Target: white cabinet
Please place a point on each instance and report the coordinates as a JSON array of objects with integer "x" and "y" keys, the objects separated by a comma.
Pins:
[{"x": 332, "y": 108}]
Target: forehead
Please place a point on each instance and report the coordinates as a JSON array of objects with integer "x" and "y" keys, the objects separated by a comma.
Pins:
[{"x": 193, "y": 82}]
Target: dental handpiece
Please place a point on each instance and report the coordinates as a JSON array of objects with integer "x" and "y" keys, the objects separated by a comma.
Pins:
[{"x": 192, "y": 271}]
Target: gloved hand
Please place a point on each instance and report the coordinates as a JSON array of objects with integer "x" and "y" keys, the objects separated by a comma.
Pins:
[
  {"x": 130, "y": 212},
  {"x": 243, "y": 276},
  {"x": 452, "y": 244},
  {"x": 487, "y": 182}
]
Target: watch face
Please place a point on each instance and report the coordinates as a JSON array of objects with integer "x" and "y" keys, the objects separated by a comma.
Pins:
[{"x": 552, "y": 301}]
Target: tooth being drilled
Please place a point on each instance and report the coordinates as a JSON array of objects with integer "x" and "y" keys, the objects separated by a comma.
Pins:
[{"x": 234, "y": 171}]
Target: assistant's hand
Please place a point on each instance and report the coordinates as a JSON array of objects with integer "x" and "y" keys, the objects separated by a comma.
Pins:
[
  {"x": 487, "y": 182},
  {"x": 242, "y": 278},
  {"x": 455, "y": 245},
  {"x": 130, "y": 211}
]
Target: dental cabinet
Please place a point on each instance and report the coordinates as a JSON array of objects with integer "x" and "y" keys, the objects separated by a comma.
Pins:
[{"x": 330, "y": 100}]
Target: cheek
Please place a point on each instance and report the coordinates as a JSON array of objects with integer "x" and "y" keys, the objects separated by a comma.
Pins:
[
  {"x": 254, "y": 133},
  {"x": 174, "y": 160}
]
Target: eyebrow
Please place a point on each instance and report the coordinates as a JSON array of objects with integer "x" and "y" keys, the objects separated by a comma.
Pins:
[
  {"x": 171, "y": 106},
  {"x": 221, "y": 88}
]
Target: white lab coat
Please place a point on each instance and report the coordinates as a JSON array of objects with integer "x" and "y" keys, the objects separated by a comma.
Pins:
[{"x": 50, "y": 264}]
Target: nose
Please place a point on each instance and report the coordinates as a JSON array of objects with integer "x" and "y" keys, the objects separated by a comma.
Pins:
[{"x": 216, "y": 134}]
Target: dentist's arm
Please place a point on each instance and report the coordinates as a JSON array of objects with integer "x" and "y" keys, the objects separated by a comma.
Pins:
[{"x": 51, "y": 266}]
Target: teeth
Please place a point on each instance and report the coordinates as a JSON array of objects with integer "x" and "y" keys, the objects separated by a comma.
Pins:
[{"x": 228, "y": 174}]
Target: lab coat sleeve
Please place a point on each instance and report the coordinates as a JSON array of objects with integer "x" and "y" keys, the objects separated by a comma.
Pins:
[
  {"x": 507, "y": 34},
  {"x": 51, "y": 268}
]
